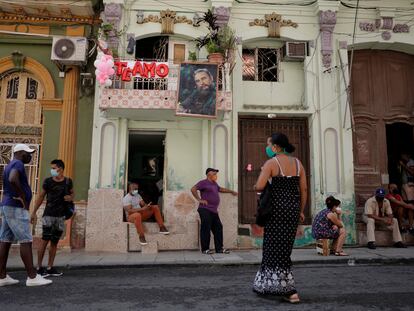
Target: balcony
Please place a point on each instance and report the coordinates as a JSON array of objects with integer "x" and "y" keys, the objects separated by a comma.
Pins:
[{"x": 152, "y": 93}]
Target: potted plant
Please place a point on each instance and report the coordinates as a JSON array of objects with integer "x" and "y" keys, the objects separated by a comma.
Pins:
[{"x": 219, "y": 41}]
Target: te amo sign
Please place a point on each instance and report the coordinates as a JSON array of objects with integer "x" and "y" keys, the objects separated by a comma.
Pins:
[{"x": 128, "y": 69}]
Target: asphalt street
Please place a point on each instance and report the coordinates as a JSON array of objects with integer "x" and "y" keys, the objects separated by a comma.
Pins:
[{"x": 173, "y": 288}]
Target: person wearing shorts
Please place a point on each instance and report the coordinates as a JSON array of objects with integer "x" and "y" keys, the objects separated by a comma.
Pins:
[
  {"x": 15, "y": 222},
  {"x": 58, "y": 190}
]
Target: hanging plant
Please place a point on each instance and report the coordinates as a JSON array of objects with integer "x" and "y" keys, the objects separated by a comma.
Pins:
[{"x": 108, "y": 31}]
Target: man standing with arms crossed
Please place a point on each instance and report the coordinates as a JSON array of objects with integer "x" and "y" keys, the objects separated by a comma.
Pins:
[
  {"x": 16, "y": 218},
  {"x": 59, "y": 190}
]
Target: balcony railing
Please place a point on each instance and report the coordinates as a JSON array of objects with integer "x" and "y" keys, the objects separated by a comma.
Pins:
[{"x": 154, "y": 93}]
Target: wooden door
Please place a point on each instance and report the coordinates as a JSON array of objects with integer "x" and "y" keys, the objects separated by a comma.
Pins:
[
  {"x": 382, "y": 93},
  {"x": 253, "y": 132}
]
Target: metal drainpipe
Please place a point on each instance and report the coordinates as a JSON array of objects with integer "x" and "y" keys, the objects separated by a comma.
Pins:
[{"x": 321, "y": 177}]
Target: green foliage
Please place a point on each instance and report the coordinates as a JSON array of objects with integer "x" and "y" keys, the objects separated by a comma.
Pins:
[
  {"x": 218, "y": 40},
  {"x": 192, "y": 55},
  {"x": 226, "y": 38},
  {"x": 213, "y": 47},
  {"x": 108, "y": 31}
]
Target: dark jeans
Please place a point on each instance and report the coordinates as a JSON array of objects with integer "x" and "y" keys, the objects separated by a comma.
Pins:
[{"x": 210, "y": 222}]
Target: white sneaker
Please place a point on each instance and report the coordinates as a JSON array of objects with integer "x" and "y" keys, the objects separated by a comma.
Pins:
[
  {"x": 38, "y": 281},
  {"x": 8, "y": 281}
]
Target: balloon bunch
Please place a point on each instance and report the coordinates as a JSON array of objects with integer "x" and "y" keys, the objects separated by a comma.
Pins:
[{"x": 104, "y": 69}]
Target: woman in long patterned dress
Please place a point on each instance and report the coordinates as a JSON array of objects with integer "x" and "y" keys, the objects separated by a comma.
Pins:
[{"x": 288, "y": 199}]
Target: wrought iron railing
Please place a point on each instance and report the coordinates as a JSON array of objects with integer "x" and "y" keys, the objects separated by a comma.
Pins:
[{"x": 168, "y": 83}]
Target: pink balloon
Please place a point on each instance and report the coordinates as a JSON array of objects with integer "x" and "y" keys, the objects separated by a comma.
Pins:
[
  {"x": 101, "y": 66},
  {"x": 111, "y": 71}
]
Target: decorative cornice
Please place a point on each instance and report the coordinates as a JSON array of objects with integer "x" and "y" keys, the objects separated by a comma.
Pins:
[
  {"x": 167, "y": 19},
  {"x": 273, "y": 22},
  {"x": 399, "y": 28},
  {"x": 281, "y": 107},
  {"x": 45, "y": 18},
  {"x": 385, "y": 23}
]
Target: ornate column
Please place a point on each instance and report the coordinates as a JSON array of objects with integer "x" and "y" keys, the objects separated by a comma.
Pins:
[
  {"x": 327, "y": 22},
  {"x": 68, "y": 122},
  {"x": 223, "y": 15},
  {"x": 113, "y": 15}
]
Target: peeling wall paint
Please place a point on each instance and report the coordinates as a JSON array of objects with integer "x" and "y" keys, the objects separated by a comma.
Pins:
[
  {"x": 304, "y": 233},
  {"x": 173, "y": 181},
  {"x": 121, "y": 176},
  {"x": 304, "y": 236}
]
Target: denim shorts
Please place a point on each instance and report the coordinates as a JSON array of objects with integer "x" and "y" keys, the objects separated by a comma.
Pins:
[{"x": 15, "y": 225}]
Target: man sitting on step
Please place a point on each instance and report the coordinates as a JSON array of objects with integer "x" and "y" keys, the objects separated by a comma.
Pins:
[
  {"x": 378, "y": 213},
  {"x": 137, "y": 211}
]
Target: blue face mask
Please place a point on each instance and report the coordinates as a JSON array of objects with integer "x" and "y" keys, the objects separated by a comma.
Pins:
[
  {"x": 270, "y": 153},
  {"x": 54, "y": 172}
]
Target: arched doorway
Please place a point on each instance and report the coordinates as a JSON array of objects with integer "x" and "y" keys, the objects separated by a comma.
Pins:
[
  {"x": 382, "y": 103},
  {"x": 21, "y": 120}
]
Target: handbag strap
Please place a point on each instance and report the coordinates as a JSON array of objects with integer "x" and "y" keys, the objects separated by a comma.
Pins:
[{"x": 67, "y": 186}]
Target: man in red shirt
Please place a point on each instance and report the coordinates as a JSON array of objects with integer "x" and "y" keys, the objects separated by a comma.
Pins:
[{"x": 401, "y": 209}]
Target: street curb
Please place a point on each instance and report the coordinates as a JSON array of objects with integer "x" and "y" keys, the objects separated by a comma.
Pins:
[{"x": 319, "y": 262}]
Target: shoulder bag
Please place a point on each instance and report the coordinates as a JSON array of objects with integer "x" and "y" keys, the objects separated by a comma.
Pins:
[
  {"x": 69, "y": 205},
  {"x": 264, "y": 207}
]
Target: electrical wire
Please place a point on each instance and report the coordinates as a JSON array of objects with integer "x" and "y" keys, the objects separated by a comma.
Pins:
[
  {"x": 190, "y": 10},
  {"x": 348, "y": 102},
  {"x": 278, "y": 3}
]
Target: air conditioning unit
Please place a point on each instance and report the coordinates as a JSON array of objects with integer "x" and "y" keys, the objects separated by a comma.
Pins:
[
  {"x": 69, "y": 50},
  {"x": 295, "y": 51}
]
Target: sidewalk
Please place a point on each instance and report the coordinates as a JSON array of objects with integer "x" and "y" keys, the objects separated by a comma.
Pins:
[{"x": 82, "y": 259}]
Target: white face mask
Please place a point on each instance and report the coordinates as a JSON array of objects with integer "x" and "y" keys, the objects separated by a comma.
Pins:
[
  {"x": 135, "y": 192},
  {"x": 338, "y": 209}
]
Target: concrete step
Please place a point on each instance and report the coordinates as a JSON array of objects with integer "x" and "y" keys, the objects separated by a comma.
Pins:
[
  {"x": 384, "y": 238},
  {"x": 150, "y": 248},
  {"x": 181, "y": 237}
]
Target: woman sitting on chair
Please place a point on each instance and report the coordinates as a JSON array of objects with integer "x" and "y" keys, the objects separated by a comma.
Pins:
[{"x": 328, "y": 225}]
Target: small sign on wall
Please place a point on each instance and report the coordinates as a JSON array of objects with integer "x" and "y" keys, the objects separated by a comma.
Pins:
[{"x": 385, "y": 179}]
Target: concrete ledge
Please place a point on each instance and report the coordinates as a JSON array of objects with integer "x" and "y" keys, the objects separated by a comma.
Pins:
[
  {"x": 181, "y": 237},
  {"x": 382, "y": 237}
]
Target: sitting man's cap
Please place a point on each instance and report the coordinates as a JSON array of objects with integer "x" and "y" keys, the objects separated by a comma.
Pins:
[
  {"x": 211, "y": 170},
  {"x": 380, "y": 193},
  {"x": 23, "y": 147}
]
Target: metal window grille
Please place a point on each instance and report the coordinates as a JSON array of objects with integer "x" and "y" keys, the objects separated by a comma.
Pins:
[
  {"x": 32, "y": 169},
  {"x": 150, "y": 83},
  {"x": 261, "y": 64}
]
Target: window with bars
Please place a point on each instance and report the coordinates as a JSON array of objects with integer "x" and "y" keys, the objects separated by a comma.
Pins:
[{"x": 261, "y": 64}]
